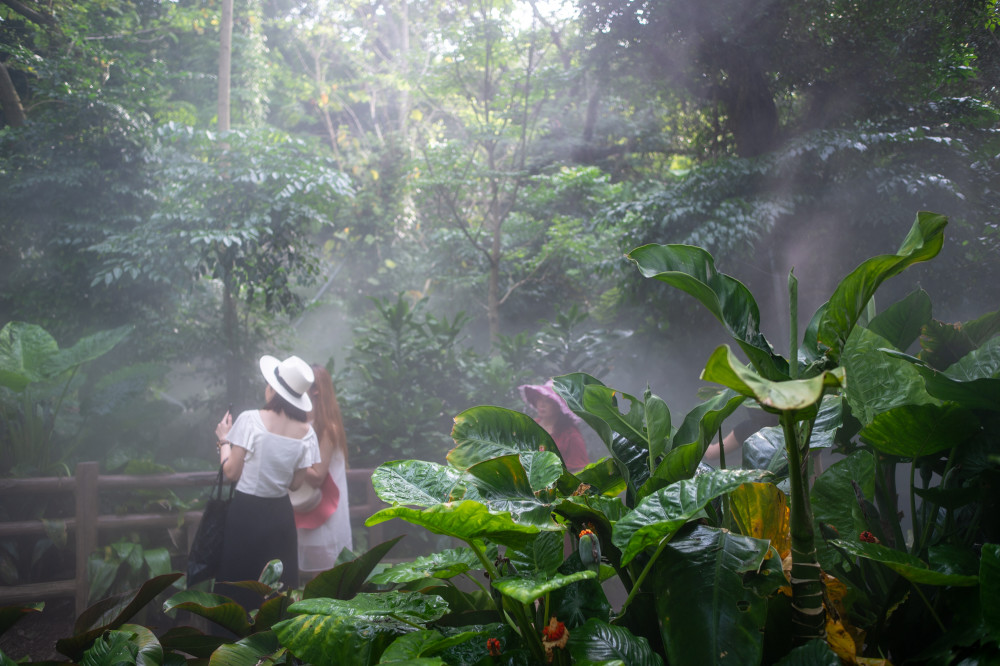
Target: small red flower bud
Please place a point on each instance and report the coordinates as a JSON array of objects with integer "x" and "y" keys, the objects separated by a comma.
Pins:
[
  {"x": 868, "y": 537},
  {"x": 493, "y": 646}
]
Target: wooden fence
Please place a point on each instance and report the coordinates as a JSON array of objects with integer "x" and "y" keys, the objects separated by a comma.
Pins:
[{"x": 87, "y": 523}]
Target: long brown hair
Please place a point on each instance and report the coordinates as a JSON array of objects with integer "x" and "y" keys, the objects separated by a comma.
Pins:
[{"x": 327, "y": 421}]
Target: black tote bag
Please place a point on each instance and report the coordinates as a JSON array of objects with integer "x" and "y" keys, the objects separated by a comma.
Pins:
[{"x": 206, "y": 548}]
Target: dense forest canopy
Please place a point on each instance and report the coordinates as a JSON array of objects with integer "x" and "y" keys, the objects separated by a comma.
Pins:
[{"x": 478, "y": 168}]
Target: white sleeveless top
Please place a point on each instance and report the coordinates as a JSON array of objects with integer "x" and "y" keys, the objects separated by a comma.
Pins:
[{"x": 271, "y": 460}]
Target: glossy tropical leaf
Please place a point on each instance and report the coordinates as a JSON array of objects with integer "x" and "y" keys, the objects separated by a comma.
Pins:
[
  {"x": 878, "y": 382},
  {"x": 794, "y": 395},
  {"x": 851, "y": 296},
  {"x": 760, "y": 510},
  {"x": 603, "y": 477},
  {"x": 24, "y": 351},
  {"x": 908, "y": 566},
  {"x": 466, "y": 520},
  {"x": 943, "y": 344},
  {"x": 765, "y": 449},
  {"x": 600, "y": 642},
  {"x": 660, "y": 515},
  {"x": 417, "y": 483},
  {"x": 346, "y": 579},
  {"x": 408, "y": 606},
  {"x": 255, "y": 649},
  {"x": 578, "y": 602},
  {"x": 692, "y": 270},
  {"x": 813, "y": 653},
  {"x": 832, "y": 495},
  {"x": 544, "y": 554},
  {"x": 444, "y": 564},
  {"x": 9, "y": 615},
  {"x": 544, "y": 469},
  {"x": 416, "y": 647},
  {"x": 983, "y": 393},
  {"x": 503, "y": 485},
  {"x": 85, "y": 350},
  {"x": 219, "y": 609},
  {"x": 482, "y": 433},
  {"x": 150, "y": 652},
  {"x": 902, "y": 322},
  {"x": 707, "y": 615},
  {"x": 271, "y": 611},
  {"x": 527, "y": 587},
  {"x": 989, "y": 588},
  {"x": 913, "y": 431},
  {"x": 981, "y": 363},
  {"x": 688, "y": 445},
  {"x": 606, "y": 403},
  {"x": 113, "y": 648},
  {"x": 339, "y": 639},
  {"x": 571, "y": 388},
  {"x": 191, "y": 641}
]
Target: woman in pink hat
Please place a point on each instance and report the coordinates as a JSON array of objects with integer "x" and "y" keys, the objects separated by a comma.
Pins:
[
  {"x": 324, "y": 522},
  {"x": 553, "y": 414},
  {"x": 266, "y": 452}
]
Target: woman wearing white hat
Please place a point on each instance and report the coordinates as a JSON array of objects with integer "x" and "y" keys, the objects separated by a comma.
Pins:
[{"x": 267, "y": 452}]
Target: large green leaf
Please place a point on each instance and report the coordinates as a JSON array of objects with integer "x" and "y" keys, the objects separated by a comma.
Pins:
[
  {"x": 11, "y": 614},
  {"x": 981, "y": 363},
  {"x": 707, "y": 615},
  {"x": 352, "y": 640},
  {"x": 113, "y": 648},
  {"x": 417, "y": 483},
  {"x": 580, "y": 601},
  {"x": 901, "y": 323},
  {"x": 219, "y": 609},
  {"x": 660, "y": 515},
  {"x": 851, "y": 296},
  {"x": 980, "y": 393},
  {"x": 832, "y": 495},
  {"x": 85, "y": 350},
  {"x": 765, "y": 449},
  {"x": 877, "y": 381},
  {"x": 795, "y": 395},
  {"x": 503, "y": 485},
  {"x": 346, "y": 579},
  {"x": 603, "y": 477},
  {"x": 191, "y": 641},
  {"x": 255, "y": 649},
  {"x": 908, "y": 566},
  {"x": 466, "y": 520},
  {"x": 544, "y": 554},
  {"x": 150, "y": 652},
  {"x": 443, "y": 564},
  {"x": 482, "y": 433},
  {"x": 692, "y": 270},
  {"x": 24, "y": 351},
  {"x": 912, "y": 431},
  {"x": 598, "y": 642},
  {"x": 526, "y": 587},
  {"x": 415, "y": 648},
  {"x": 411, "y": 607},
  {"x": 989, "y": 588}
]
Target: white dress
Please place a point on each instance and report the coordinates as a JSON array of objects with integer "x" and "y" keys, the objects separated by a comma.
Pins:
[{"x": 319, "y": 547}]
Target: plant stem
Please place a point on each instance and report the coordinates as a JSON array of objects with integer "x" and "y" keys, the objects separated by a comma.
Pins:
[
  {"x": 642, "y": 576},
  {"x": 930, "y": 608},
  {"x": 793, "y": 325}
]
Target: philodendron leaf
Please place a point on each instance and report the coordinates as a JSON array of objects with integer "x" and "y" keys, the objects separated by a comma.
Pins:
[
  {"x": 503, "y": 485},
  {"x": 660, "y": 515},
  {"x": 255, "y": 649},
  {"x": 444, "y": 564},
  {"x": 415, "y": 647},
  {"x": 901, "y": 322},
  {"x": 851, "y": 296},
  {"x": 603, "y": 477},
  {"x": 417, "y": 483},
  {"x": 544, "y": 554},
  {"x": 466, "y": 520},
  {"x": 973, "y": 393},
  {"x": 482, "y": 433},
  {"x": 692, "y": 270},
  {"x": 219, "y": 609},
  {"x": 794, "y": 395},
  {"x": 832, "y": 495},
  {"x": 989, "y": 590},
  {"x": 912, "y": 431},
  {"x": 346, "y": 579},
  {"x": 760, "y": 510},
  {"x": 527, "y": 587},
  {"x": 86, "y": 349},
  {"x": 908, "y": 566},
  {"x": 319, "y": 638},
  {"x": 24, "y": 351},
  {"x": 599, "y": 642},
  {"x": 707, "y": 615},
  {"x": 411, "y": 607}
]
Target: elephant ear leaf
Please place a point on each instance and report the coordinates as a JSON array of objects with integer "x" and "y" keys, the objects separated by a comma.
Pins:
[
  {"x": 85, "y": 350},
  {"x": 692, "y": 269},
  {"x": 849, "y": 300},
  {"x": 24, "y": 351}
]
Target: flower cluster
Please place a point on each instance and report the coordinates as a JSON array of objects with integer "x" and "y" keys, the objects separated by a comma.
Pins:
[{"x": 554, "y": 636}]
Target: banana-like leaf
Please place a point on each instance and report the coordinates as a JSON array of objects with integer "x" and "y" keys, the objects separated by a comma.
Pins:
[
  {"x": 902, "y": 322},
  {"x": 876, "y": 381},
  {"x": 851, "y": 296},
  {"x": 150, "y": 652},
  {"x": 794, "y": 395},
  {"x": 114, "y": 648},
  {"x": 707, "y": 615},
  {"x": 526, "y": 587},
  {"x": 692, "y": 270},
  {"x": 912, "y": 431},
  {"x": 417, "y": 483},
  {"x": 989, "y": 588},
  {"x": 692, "y": 439},
  {"x": 466, "y": 520},
  {"x": 760, "y": 510},
  {"x": 255, "y": 649},
  {"x": 660, "y": 515},
  {"x": 219, "y": 609},
  {"x": 444, "y": 564},
  {"x": 908, "y": 566},
  {"x": 503, "y": 485},
  {"x": 599, "y": 642},
  {"x": 483, "y": 433},
  {"x": 346, "y": 579}
]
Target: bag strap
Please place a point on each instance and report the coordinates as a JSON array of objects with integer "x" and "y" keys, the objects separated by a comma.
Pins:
[{"x": 217, "y": 490}]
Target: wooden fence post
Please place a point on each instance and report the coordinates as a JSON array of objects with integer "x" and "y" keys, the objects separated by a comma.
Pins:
[{"x": 86, "y": 527}]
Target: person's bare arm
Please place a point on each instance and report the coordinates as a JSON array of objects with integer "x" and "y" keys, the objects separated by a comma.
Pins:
[
  {"x": 232, "y": 461},
  {"x": 300, "y": 477}
]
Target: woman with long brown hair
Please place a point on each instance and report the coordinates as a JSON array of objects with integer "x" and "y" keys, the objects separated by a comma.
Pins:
[{"x": 324, "y": 530}]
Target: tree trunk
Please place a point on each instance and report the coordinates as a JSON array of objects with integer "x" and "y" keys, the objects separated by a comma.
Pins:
[
  {"x": 229, "y": 333},
  {"x": 753, "y": 117},
  {"x": 10, "y": 102},
  {"x": 225, "y": 63}
]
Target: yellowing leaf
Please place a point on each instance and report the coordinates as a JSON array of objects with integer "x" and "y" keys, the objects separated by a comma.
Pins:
[
  {"x": 374, "y": 174},
  {"x": 840, "y": 640},
  {"x": 761, "y": 511}
]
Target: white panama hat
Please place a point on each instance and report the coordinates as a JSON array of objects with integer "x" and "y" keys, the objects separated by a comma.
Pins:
[{"x": 290, "y": 379}]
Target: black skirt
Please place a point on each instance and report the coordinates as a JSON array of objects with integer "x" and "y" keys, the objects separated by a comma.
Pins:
[{"x": 258, "y": 530}]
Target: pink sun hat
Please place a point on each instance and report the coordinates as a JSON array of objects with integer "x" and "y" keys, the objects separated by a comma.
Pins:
[
  {"x": 314, "y": 505},
  {"x": 531, "y": 392}
]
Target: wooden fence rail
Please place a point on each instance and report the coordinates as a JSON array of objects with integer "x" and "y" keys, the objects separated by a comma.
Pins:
[{"x": 87, "y": 523}]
